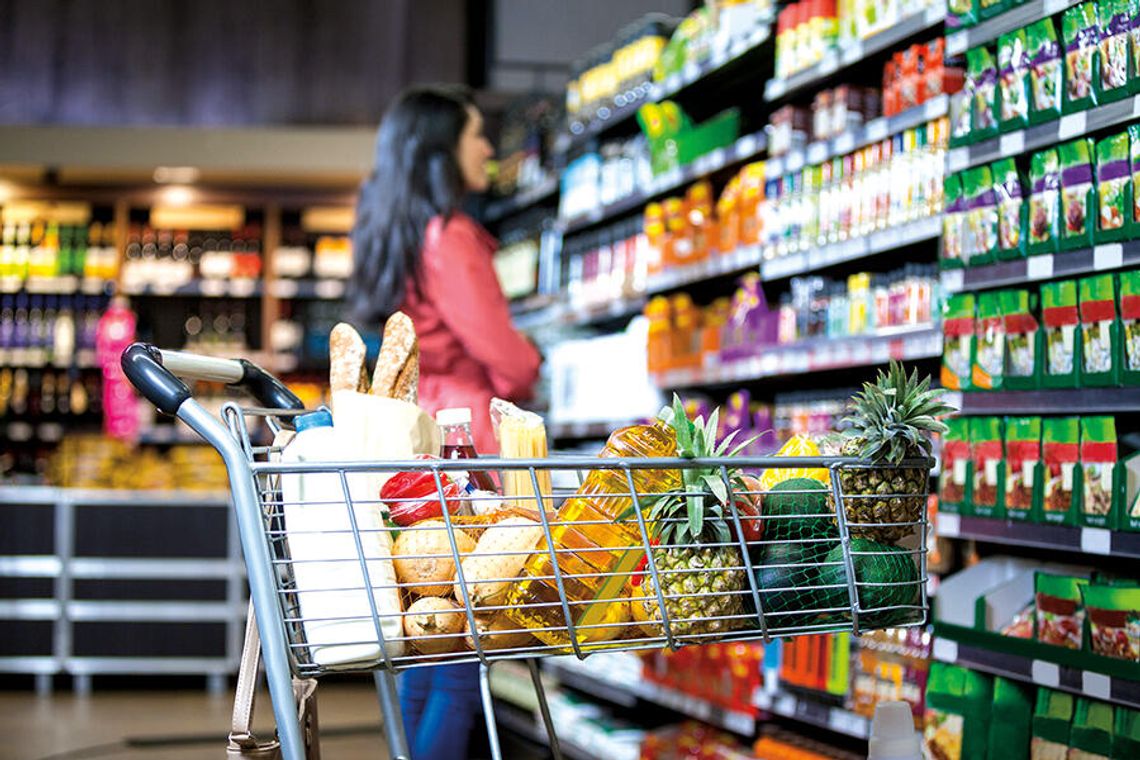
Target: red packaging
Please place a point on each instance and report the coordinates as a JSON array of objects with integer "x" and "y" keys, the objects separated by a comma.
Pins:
[
  {"x": 890, "y": 94},
  {"x": 907, "y": 62}
]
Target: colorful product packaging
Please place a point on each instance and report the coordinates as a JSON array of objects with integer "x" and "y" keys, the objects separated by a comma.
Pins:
[
  {"x": 958, "y": 342},
  {"x": 1091, "y": 736},
  {"x": 1013, "y": 211},
  {"x": 1013, "y": 73},
  {"x": 1100, "y": 332},
  {"x": 961, "y": 115},
  {"x": 963, "y": 13},
  {"x": 981, "y": 227},
  {"x": 1081, "y": 36},
  {"x": 953, "y": 223},
  {"x": 1133, "y": 10},
  {"x": 1114, "y": 61},
  {"x": 1134, "y": 163},
  {"x": 989, "y": 8},
  {"x": 981, "y": 68},
  {"x": 1114, "y": 188},
  {"x": 1024, "y": 341},
  {"x": 957, "y": 717},
  {"x": 1052, "y": 722},
  {"x": 954, "y": 480},
  {"x": 1023, "y": 468},
  {"x": 1060, "y": 618},
  {"x": 1011, "y": 719},
  {"x": 1044, "y": 202},
  {"x": 1061, "y": 318},
  {"x": 1061, "y": 453},
  {"x": 1045, "y": 71},
  {"x": 1126, "y": 739},
  {"x": 988, "y": 459},
  {"x": 1114, "y": 620},
  {"x": 1100, "y": 475},
  {"x": 989, "y": 343},
  {"x": 1078, "y": 194},
  {"x": 1130, "y": 327}
]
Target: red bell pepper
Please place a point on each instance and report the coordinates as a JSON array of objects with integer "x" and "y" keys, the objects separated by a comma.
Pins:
[{"x": 413, "y": 496}]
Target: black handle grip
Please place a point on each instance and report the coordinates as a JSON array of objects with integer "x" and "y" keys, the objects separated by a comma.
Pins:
[
  {"x": 270, "y": 392},
  {"x": 142, "y": 364}
]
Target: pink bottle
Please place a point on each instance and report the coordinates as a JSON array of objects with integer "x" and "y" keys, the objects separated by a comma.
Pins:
[{"x": 116, "y": 331}]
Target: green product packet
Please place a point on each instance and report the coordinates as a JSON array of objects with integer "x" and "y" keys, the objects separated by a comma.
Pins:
[
  {"x": 1078, "y": 194},
  {"x": 1046, "y": 71},
  {"x": 1132, "y": 8},
  {"x": 953, "y": 220},
  {"x": 1100, "y": 473},
  {"x": 981, "y": 68},
  {"x": 1130, "y": 327},
  {"x": 958, "y": 705},
  {"x": 1060, "y": 452},
  {"x": 989, "y": 343},
  {"x": 1011, "y": 719},
  {"x": 1044, "y": 202},
  {"x": 981, "y": 220},
  {"x": 1130, "y": 492},
  {"x": 1113, "y": 611},
  {"x": 962, "y": 115},
  {"x": 1134, "y": 166},
  {"x": 1013, "y": 80},
  {"x": 958, "y": 342},
  {"x": 954, "y": 480},
  {"x": 1024, "y": 340},
  {"x": 987, "y": 456},
  {"x": 1100, "y": 332},
  {"x": 1081, "y": 36},
  {"x": 1126, "y": 734},
  {"x": 1059, "y": 614},
  {"x": 1013, "y": 211},
  {"x": 1061, "y": 318},
  {"x": 1023, "y": 468},
  {"x": 989, "y": 8},
  {"x": 1114, "y": 60},
  {"x": 963, "y": 13},
  {"x": 1114, "y": 189},
  {"x": 1052, "y": 719},
  {"x": 1092, "y": 730}
]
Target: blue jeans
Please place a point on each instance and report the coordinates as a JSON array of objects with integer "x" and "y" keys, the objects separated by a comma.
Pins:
[{"x": 439, "y": 705}]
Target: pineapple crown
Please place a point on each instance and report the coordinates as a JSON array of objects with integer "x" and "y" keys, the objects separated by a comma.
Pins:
[
  {"x": 704, "y": 496},
  {"x": 892, "y": 417}
]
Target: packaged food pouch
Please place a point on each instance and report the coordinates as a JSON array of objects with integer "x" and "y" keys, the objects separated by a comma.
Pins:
[
  {"x": 728, "y": 216},
  {"x": 954, "y": 480},
  {"x": 1010, "y": 720},
  {"x": 1081, "y": 37},
  {"x": 1045, "y": 71},
  {"x": 957, "y": 716},
  {"x": 1060, "y": 450},
  {"x": 1061, "y": 317},
  {"x": 1078, "y": 194},
  {"x": 961, "y": 115},
  {"x": 1013, "y": 70},
  {"x": 1130, "y": 326},
  {"x": 953, "y": 221},
  {"x": 1113, "y": 189},
  {"x": 1044, "y": 202},
  {"x": 1134, "y": 164},
  {"x": 1091, "y": 734},
  {"x": 1052, "y": 721},
  {"x": 989, "y": 343},
  {"x": 1023, "y": 468},
  {"x": 1133, "y": 11},
  {"x": 963, "y": 13},
  {"x": 1013, "y": 211},
  {"x": 982, "y": 69},
  {"x": 1024, "y": 341},
  {"x": 1126, "y": 738},
  {"x": 987, "y": 494},
  {"x": 980, "y": 244},
  {"x": 1100, "y": 332},
  {"x": 958, "y": 342},
  {"x": 1099, "y": 472},
  {"x": 1114, "y": 59},
  {"x": 1114, "y": 620}
]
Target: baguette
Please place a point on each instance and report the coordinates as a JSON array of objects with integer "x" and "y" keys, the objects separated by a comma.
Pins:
[
  {"x": 347, "y": 370},
  {"x": 408, "y": 383},
  {"x": 395, "y": 352}
]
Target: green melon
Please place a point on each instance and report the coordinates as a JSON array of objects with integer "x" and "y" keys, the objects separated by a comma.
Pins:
[
  {"x": 888, "y": 565},
  {"x": 799, "y": 509},
  {"x": 790, "y": 589}
]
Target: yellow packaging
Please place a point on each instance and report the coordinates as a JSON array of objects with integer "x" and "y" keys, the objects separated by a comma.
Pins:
[{"x": 797, "y": 446}]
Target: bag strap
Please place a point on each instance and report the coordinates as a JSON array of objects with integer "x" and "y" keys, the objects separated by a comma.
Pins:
[{"x": 245, "y": 696}]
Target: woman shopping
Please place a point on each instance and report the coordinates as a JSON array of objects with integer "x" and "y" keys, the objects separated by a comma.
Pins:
[{"x": 416, "y": 252}]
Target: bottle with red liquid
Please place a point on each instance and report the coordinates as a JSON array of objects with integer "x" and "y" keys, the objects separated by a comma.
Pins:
[{"x": 458, "y": 443}]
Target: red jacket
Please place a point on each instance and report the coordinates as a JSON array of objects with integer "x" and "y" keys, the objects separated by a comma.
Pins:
[{"x": 469, "y": 351}]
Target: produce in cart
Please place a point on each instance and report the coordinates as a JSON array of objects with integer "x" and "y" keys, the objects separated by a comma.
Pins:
[
  {"x": 424, "y": 561},
  {"x": 434, "y": 625}
]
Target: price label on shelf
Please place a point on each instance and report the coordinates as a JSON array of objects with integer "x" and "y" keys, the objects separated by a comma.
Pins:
[
  {"x": 242, "y": 288},
  {"x": 1013, "y": 144},
  {"x": 953, "y": 280},
  {"x": 1072, "y": 125},
  {"x": 847, "y": 723},
  {"x": 692, "y": 72},
  {"x": 1053, "y": 7},
  {"x": 876, "y": 130},
  {"x": 845, "y": 143},
  {"x": 1110, "y": 256},
  {"x": 213, "y": 288},
  {"x": 944, "y": 650},
  {"x": 817, "y": 153},
  {"x": 794, "y": 161},
  {"x": 673, "y": 83},
  {"x": 1096, "y": 541},
  {"x": 957, "y": 159},
  {"x": 853, "y": 52},
  {"x": 746, "y": 146},
  {"x": 956, "y": 44},
  {"x": 1046, "y": 673},
  {"x": 1039, "y": 267},
  {"x": 1136, "y": 107},
  {"x": 1096, "y": 685},
  {"x": 936, "y": 108},
  {"x": 739, "y": 723},
  {"x": 785, "y": 705},
  {"x": 716, "y": 159},
  {"x": 949, "y": 525},
  {"x": 284, "y": 288},
  {"x": 775, "y": 88}
]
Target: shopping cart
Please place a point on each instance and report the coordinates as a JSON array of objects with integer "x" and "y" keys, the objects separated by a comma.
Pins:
[{"x": 576, "y": 567}]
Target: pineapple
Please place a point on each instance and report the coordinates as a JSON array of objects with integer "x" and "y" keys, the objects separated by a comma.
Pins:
[
  {"x": 890, "y": 421},
  {"x": 701, "y": 583}
]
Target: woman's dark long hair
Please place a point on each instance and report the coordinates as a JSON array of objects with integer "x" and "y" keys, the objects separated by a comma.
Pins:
[{"x": 415, "y": 177}]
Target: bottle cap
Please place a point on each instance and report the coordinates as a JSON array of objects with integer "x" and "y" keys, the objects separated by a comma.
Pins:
[
  {"x": 892, "y": 733},
  {"x": 458, "y": 416},
  {"x": 320, "y": 418}
]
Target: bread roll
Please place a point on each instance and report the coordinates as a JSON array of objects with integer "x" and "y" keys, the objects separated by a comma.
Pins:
[{"x": 346, "y": 359}]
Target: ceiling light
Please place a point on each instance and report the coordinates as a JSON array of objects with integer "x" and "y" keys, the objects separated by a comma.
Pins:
[{"x": 177, "y": 195}]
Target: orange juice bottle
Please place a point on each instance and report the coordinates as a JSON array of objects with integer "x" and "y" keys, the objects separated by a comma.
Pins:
[
  {"x": 728, "y": 217},
  {"x": 702, "y": 223},
  {"x": 686, "y": 331},
  {"x": 678, "y": 248},
  {"x": 658, "y": 313},
  {"x": 654, "y": 227},
  {"x": 751, "y": 194}
]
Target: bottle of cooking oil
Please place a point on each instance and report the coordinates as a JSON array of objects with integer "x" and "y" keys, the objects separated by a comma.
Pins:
[{"x": 596, "y": 539}]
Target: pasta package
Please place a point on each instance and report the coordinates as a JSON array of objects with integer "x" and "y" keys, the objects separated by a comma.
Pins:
[{"x": 522, "y": 435}]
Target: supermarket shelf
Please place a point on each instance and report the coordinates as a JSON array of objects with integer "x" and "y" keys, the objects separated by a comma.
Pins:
[
  {"x": 1104, "y": 257},
  {"x": 501, "y": 209},
  {"x": 109, "y": 497},
  {"x": 1101, "y": 686},
  {"x": 608, "y": 118},
  {"x": 872, "y": 132},
  {"x": 329, "y": 289},
  {"x": 776, "y": 89},
  {"x": 744, "y": 149},
  {"x": 43, "y": 432},
  {"x": 813, "y": 713},
  {"x": 1068, "y": 401},
  {"x": 64, "y": 285},
  {"x": 590, "y": 315},
  {"x": 530, "y": 727},
  {"x": 959, "y": 41},
  {"x": 804, "y": 357},
  {"x": 571, "y": 430},
  {"x": 37, "y": 358},
  {"x": 1097, "y": 541},
  {"x": 244, "y": 288},
  {"x": 1044, "y": 135}
]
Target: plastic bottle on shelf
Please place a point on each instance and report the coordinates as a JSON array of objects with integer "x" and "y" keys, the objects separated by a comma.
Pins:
[{"x": 893, "y": 736}]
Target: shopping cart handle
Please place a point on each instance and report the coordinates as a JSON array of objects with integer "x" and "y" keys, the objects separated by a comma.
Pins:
[{"x": 156, "y": 374}]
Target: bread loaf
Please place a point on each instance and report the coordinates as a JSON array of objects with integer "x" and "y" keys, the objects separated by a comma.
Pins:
[
  {"x": 347, "y": 371},
  {"x": 396, "y": 351}
]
